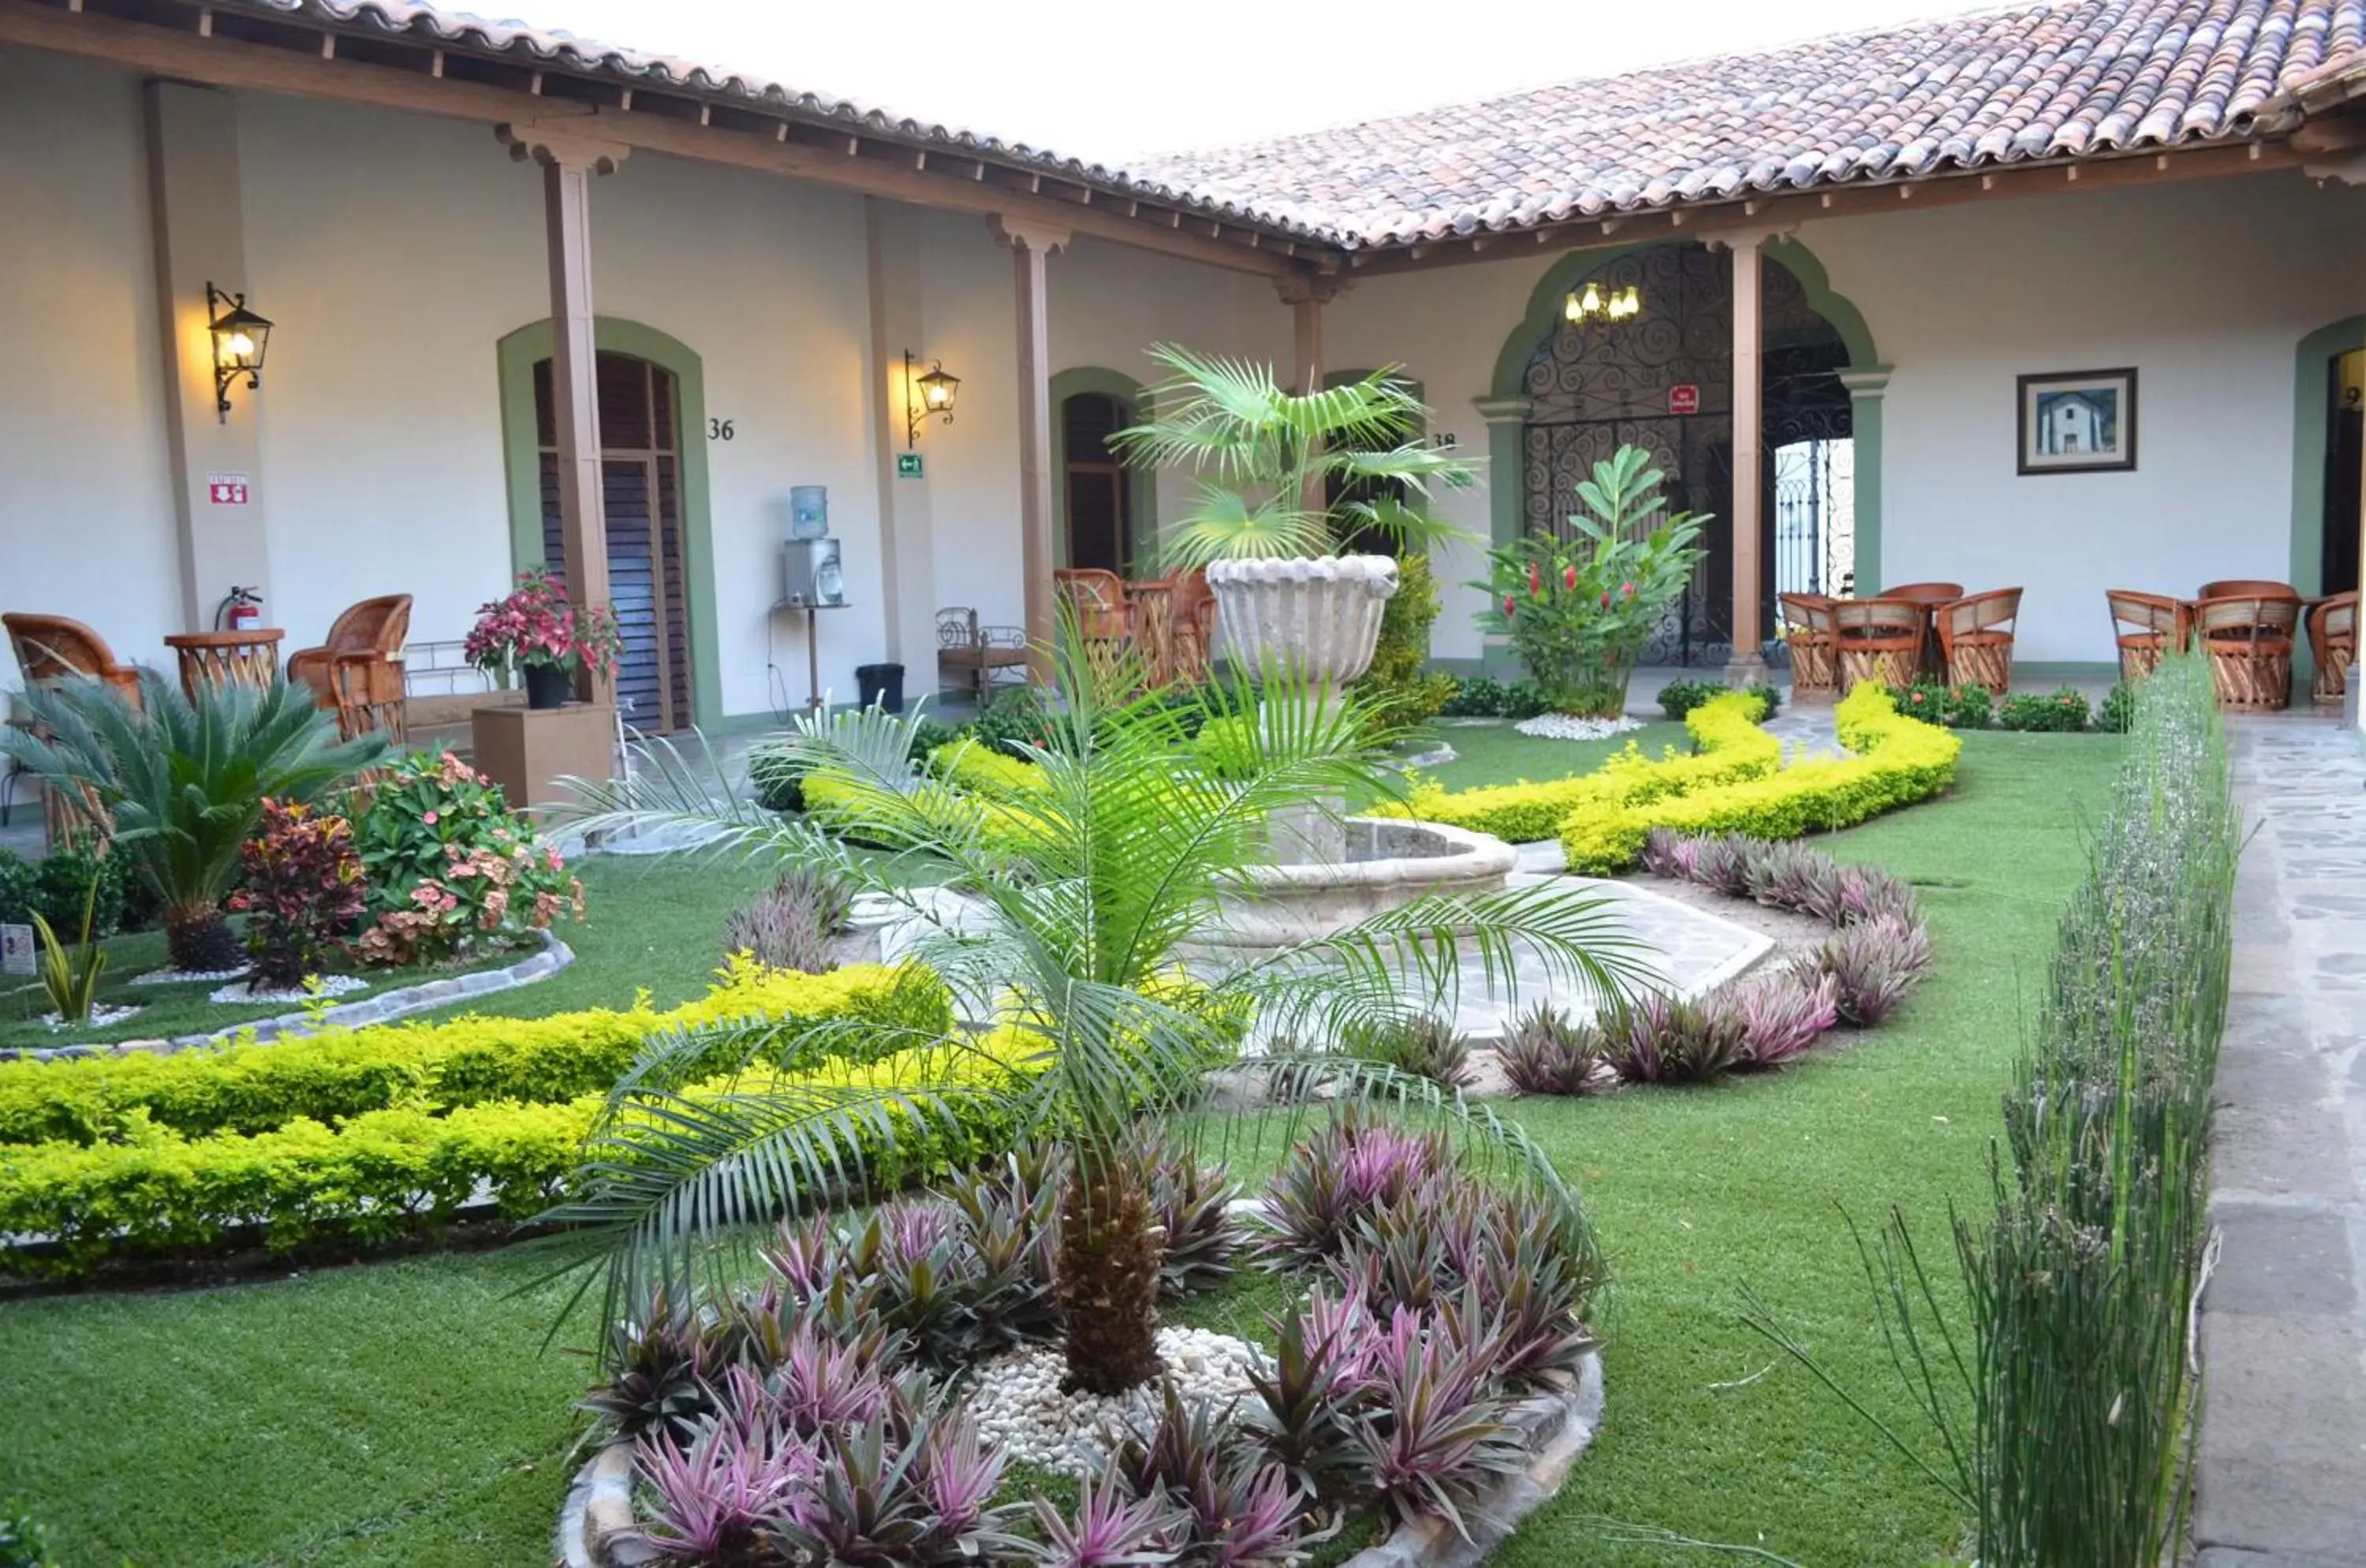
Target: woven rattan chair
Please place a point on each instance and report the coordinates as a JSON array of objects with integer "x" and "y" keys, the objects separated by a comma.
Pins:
[
  {"x": 1879, "y": 639},
  {"x": 1815, "y": 656},
  {"x": 2145, "y": 626},
  {"x": 359, "y": 671},
  {"x": 2247, "y": 587},
  {"x": 974, "y": 656},
  {"x": 1104, "y": 616},
  {"x": 2249, "y": 642},
  {"x": 1976, "y": 636},
  {"x": 51, "y": 649},
  {"x": 1929, "y": 595},
  {"x": 1193, "y": 633},
  {"x": 2333, "y": 641}
]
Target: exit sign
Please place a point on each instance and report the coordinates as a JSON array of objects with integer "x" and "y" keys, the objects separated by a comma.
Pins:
[
  {"x": 226, "y": 489},
  {"x": 908, "y": 466},
  {"x": 1683, "y": 398}
]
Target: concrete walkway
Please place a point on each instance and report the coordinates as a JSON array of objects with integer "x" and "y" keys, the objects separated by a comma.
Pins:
[{"x": 2281, "y": 1480}]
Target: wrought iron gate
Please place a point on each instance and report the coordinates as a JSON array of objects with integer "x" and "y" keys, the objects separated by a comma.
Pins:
[{"x": 1595, "y": 387}]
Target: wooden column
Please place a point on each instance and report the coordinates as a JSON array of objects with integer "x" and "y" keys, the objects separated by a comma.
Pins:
[
  {"x": 569, "y": 162},
  {"x": 1748, "y": 664},
  {"x": 1032, "y": 245},
  {"x": 1306, "y": 294}
]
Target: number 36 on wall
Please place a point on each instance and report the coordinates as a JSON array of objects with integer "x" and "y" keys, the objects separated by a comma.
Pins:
[{"x": 718, "y": 430}]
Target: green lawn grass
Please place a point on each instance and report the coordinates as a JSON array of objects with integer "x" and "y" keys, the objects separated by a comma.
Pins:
[
  {"x": 1494, "y": 752},
  {"x": 405, "y": 1413}
]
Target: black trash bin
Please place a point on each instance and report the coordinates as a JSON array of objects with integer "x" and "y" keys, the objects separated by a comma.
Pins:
[{"x": 881, "y": 683}]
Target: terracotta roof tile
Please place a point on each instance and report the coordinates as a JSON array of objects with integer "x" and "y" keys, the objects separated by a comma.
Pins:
[{"x": 2065, "y": 80}]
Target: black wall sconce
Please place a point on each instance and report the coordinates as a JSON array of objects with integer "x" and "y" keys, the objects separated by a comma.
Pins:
[
  {"x": 239, "y": 339},
  {"x": 925, "y": 396}
]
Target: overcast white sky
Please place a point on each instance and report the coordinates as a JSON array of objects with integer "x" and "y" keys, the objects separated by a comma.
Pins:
[{"x": 1108, "y": 79}]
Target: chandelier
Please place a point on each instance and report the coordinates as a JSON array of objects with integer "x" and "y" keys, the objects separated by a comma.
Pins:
[{"x": 1593, "y": 303}]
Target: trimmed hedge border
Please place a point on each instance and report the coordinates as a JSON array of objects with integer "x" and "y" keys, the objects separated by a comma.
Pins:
[
  {"x": 384, "y": 1008},
  {"x": 1560, "y": 1426}
]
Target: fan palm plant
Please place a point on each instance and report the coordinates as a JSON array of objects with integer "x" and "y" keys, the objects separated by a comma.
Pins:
[
  {"x": 1081, "y": 891},
  {"x": 1270, "y": 457},
  {"x": 178, "y": 783}
]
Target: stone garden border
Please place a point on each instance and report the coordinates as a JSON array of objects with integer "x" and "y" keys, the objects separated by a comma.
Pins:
[
  {"x": 384, "y": 1008},
  {"x": 1560, "y": 1424}
]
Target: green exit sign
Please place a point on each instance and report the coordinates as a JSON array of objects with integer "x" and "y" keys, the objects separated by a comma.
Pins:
[{"x": 910, "y": 466}]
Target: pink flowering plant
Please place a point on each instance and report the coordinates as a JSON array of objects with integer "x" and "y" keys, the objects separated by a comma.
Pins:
[
  {"x": 538, "y": 627},
  {"x": 451, "y": 870},
  {"x": 1579, "y": 612}
]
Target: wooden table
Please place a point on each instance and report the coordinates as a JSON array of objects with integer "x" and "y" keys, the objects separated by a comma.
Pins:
[{"x": 249, "y": 658}]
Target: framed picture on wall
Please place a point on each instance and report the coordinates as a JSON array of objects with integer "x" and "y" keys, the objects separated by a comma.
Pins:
[{"x": 2079, "y": 422}]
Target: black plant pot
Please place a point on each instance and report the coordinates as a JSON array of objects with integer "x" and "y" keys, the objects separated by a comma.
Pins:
[{"x": 547, "y": 687}]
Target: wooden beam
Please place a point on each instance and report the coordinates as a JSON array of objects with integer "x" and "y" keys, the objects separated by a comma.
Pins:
[
  {"x": 1748, "y": 664},
  {"x": 1710, "y": 222},
  {"x": 148, "y": 50}
]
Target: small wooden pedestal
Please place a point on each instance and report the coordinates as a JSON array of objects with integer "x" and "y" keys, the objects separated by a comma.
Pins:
[{"x": 527, "y": 751}]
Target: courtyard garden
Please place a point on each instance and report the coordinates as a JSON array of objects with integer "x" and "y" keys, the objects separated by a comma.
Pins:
[{"x": 1156, "y": 1124}]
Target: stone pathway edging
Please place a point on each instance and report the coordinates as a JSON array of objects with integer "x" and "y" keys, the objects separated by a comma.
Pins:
[
  {"x": 1560, "y": 1426},
  {"x": 384, "y": 1008},
  {"x": 2279, "y": 1475}
]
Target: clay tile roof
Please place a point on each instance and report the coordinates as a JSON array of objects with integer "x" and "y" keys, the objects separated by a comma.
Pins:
[{"x": 2064, "y": 80}]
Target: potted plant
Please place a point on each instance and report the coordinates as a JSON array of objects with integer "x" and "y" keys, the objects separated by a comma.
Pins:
[
  {"x": 537, "y": 628},
  {"x": 1281, "y": 554},
  {"x": 1579, "y": 611}
]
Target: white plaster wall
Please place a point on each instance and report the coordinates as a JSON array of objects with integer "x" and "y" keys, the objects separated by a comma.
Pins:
[
  {"x": 1107, "y": 304},
  {"x": 395, "y": 252},
  {"x": 85, "y": 501},
  {"x": 2206, "y": 288}
]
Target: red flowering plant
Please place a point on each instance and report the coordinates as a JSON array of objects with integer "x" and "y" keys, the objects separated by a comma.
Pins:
[
  {"x": 304, "y": 892},
  {"x": 537, "y": 627},
  {"x": 451, "y": 869},
  {"x": 1580, "y": 611}
]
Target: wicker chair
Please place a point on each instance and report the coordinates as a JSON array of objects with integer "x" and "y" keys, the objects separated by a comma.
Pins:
[
  {"x": 358, "y": 671},
  {"x": 2249, "y": 640},
  {"x": 51, "y": 649},
  {"x": 1815, "y": 657},
  {"x": 1104, "y": 616},
  {"x": 975, "y": 656},
  {"x": 2247, "y": 587},
  {"x": 1976, "y": 636},
  {"x": 2146, "y": 627},
  {"x": 1879, "y": 639},
  {"x": 1194, "y": 629},
  {"x": 2333, "y": 641},
  {"x": 1932, "y": 663}
]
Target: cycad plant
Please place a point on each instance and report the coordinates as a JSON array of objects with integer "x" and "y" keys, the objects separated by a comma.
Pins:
[
  {"x": 1081, "y": 891},
  {"x": 1268, "y": 457},
  {"x": 178, "y": 783}
]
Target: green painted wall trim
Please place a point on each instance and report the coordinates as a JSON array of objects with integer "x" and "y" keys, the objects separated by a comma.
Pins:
[
  {"x": 518, "y": 353},
  {"x": 1141, "y": 484},
  {"x": 2309, "y": 362},
  {"x": 1505, "y": 409}
]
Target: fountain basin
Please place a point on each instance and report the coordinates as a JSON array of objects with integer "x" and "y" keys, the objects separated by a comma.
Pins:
[{"x": 1388, "y": 862}]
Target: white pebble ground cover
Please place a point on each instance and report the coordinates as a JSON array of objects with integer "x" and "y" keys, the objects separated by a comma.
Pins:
[
  {"x": 1021, "y": 1411},
  {"x": 331, "y": 986},
  {"x": 1564, "y": 727}
]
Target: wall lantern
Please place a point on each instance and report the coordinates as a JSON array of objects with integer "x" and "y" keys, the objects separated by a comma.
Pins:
[
  {"x": 926, "y": 396},
  {"x": 239, "y": 339},
  {"x": 1594, "y": 303}
]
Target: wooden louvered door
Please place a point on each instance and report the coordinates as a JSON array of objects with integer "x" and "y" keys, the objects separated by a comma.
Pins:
[{"x": 640, "y": 463}]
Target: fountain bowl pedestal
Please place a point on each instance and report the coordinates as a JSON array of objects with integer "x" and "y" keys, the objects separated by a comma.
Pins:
[{"x": 1388, "y": 862}]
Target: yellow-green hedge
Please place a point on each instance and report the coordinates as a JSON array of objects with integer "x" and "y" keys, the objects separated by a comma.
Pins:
[
  {"x": 1898, "y": 761},
  {"x": 1731, "y": 748},
  {"x": 382, "y": 1173},
  {"x": 339, "y": 1073},
  {"x": 970, "y": 765}
]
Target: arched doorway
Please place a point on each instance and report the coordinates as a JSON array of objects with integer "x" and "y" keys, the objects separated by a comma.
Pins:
[
  {"x": 1097, "y": 488},
  {"x": 641, "y": 493},
  {"x": 1662, "y": 380}
]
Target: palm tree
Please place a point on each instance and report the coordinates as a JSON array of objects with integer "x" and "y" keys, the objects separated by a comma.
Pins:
[
  {"x": 1084, "y": 887},
  {"x": 1270, "y": 457},
  {"x": 178, "y": 784}
]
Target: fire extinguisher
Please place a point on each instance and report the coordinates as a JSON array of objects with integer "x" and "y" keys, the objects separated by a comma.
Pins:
[{"x": 242, "y": 609}]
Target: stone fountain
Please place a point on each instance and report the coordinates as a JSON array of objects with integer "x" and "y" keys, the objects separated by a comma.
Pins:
[{"x": 1317, "y": 621}]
